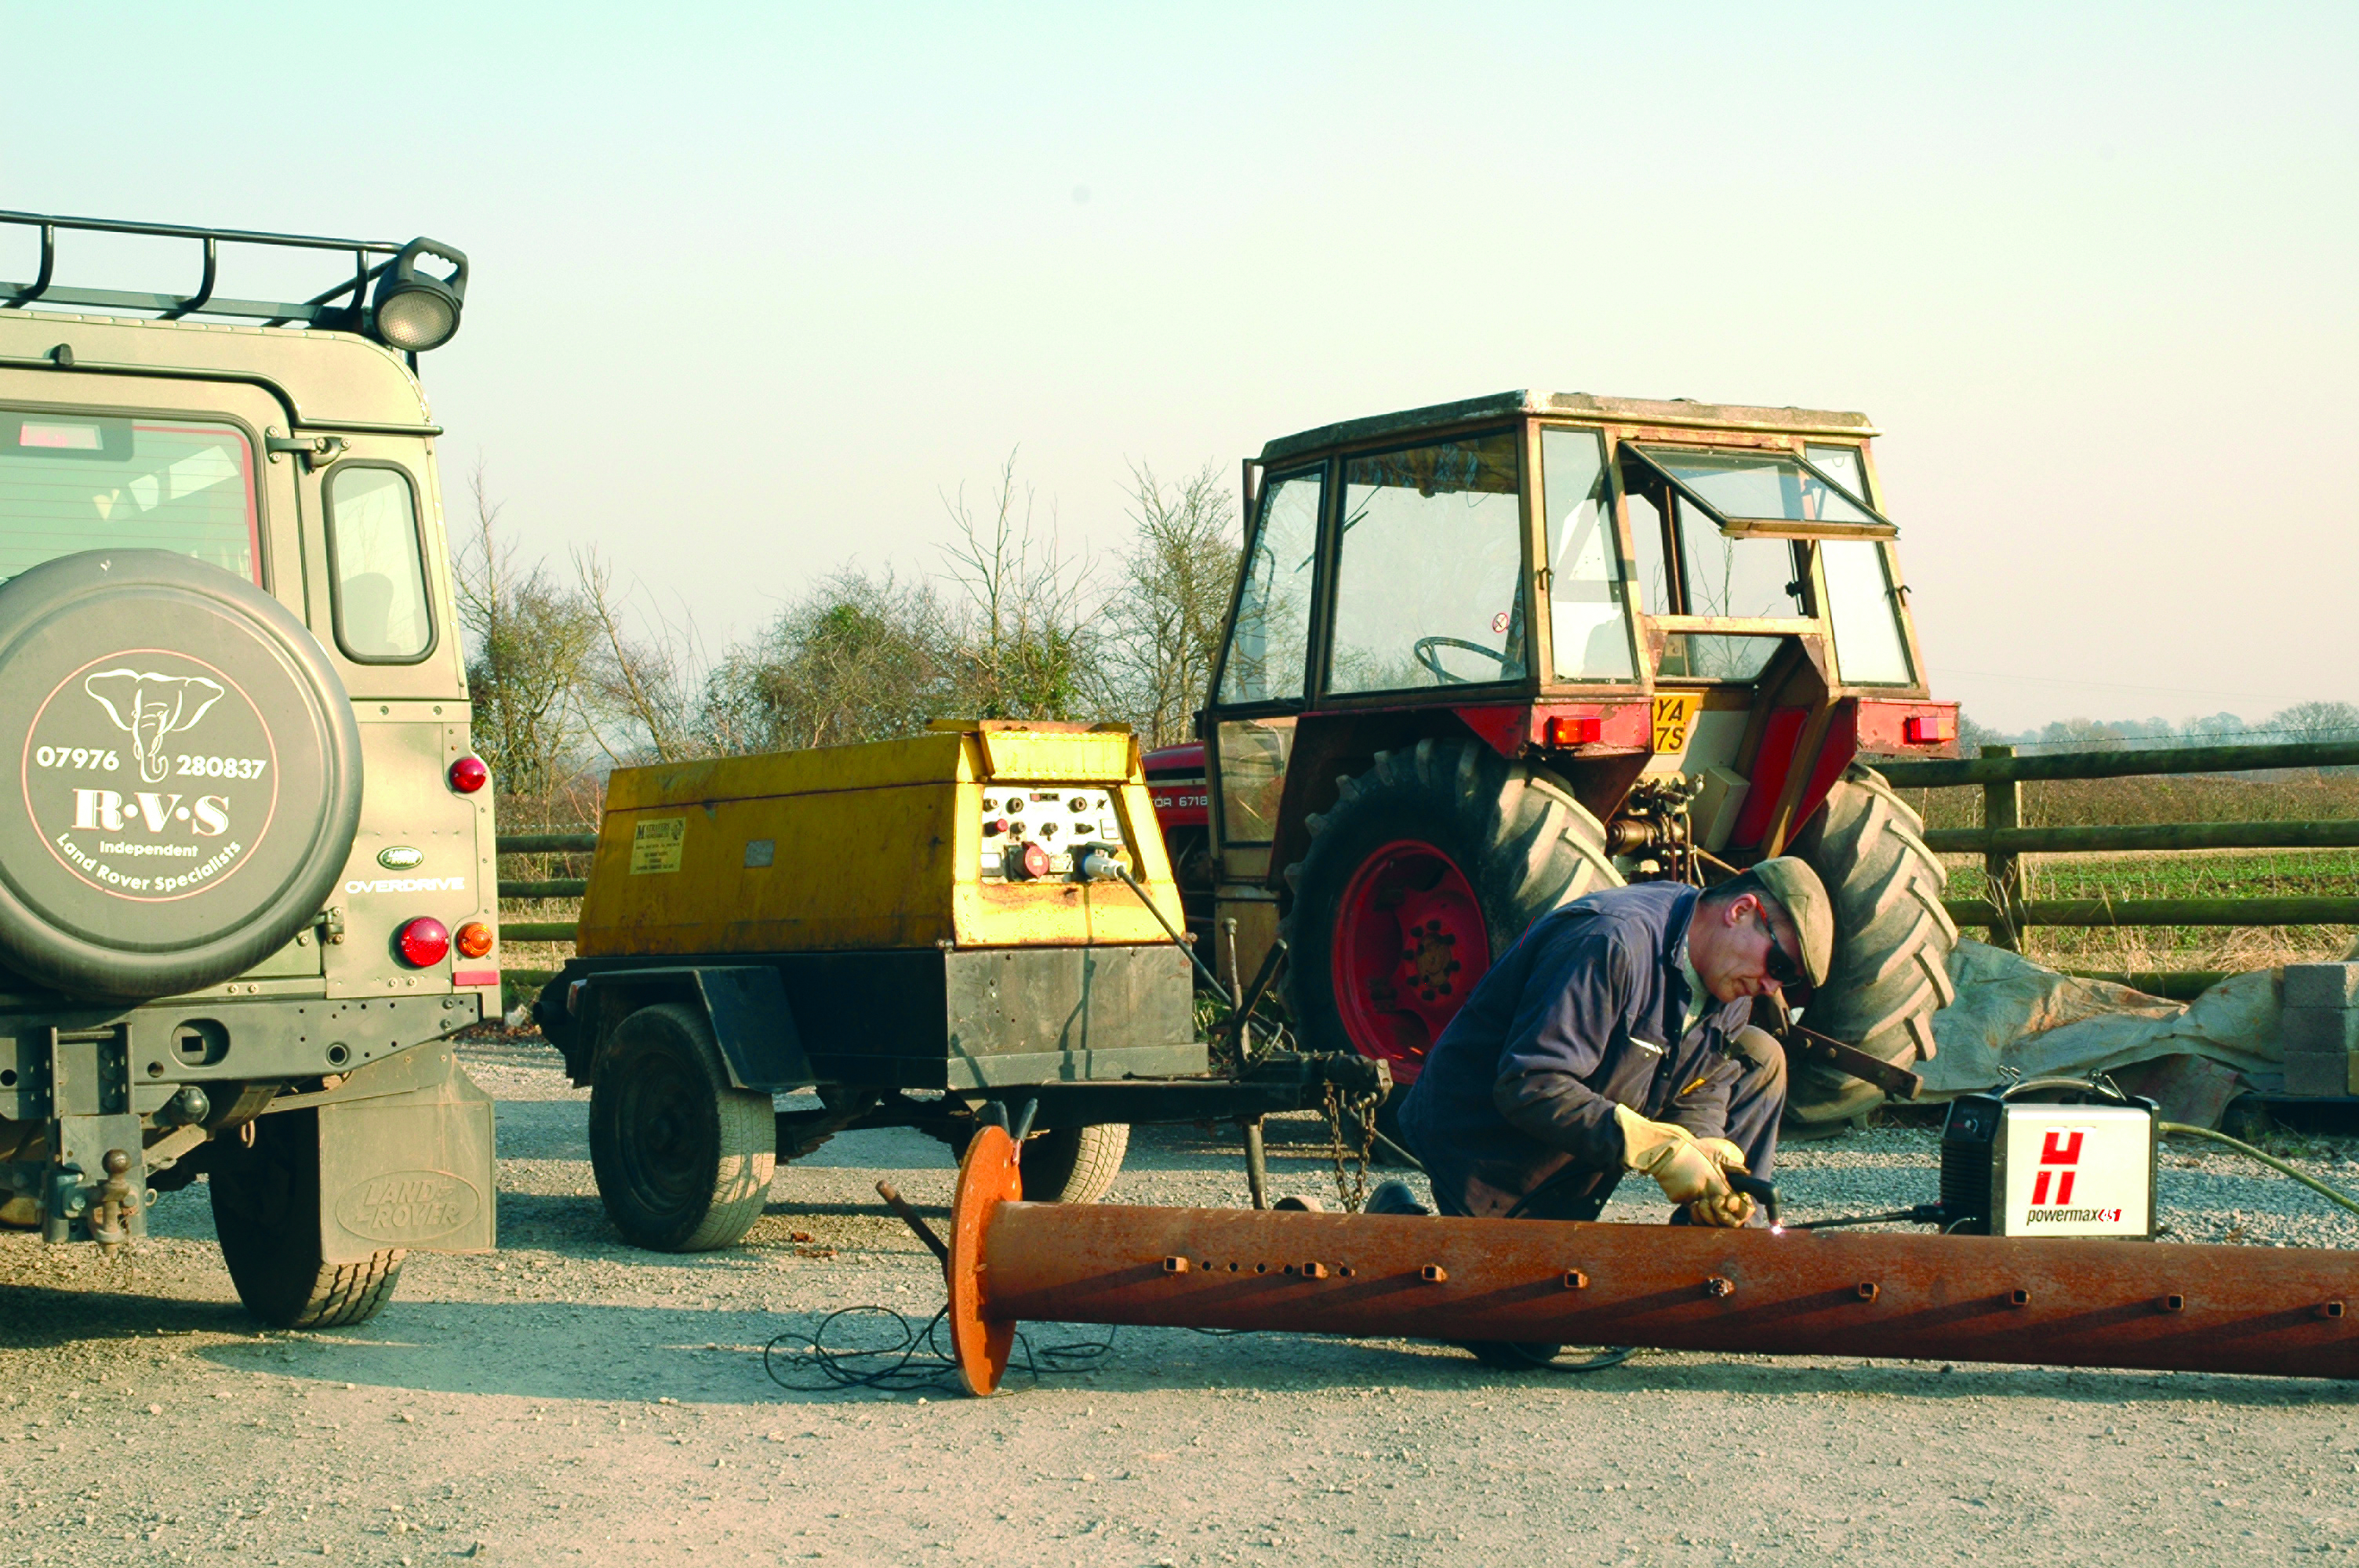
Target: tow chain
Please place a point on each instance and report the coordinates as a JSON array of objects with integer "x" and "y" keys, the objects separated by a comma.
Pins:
[{"x": 1351, "y": 1187}]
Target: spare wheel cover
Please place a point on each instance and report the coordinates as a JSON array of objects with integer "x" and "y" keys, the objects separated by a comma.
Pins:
[{"x": 189, "y": 780}]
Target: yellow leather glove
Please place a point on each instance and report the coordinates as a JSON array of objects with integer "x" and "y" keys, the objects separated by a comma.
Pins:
[
  {"x": 1725, "y": 1154},
  {"x": 1668, "y": 1153},
  {"x": 1730, "y": 1211}
]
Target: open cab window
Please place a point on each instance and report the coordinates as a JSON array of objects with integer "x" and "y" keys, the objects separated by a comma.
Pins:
[{"x": 1754, "y": 492}]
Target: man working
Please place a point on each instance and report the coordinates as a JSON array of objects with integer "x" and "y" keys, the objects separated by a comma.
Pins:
[{"x": 1614, "y": 1037}]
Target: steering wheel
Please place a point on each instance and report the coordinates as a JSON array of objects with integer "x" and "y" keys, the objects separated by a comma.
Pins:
[{"x": 1424, "y": 648}]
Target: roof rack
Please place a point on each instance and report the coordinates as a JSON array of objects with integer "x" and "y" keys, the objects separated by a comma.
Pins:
[{"x": 344, "y": 307}]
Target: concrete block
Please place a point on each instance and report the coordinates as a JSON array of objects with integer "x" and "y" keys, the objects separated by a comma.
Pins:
[
  {"x": 2320, "y": 1029},
  {"x": 2321, "y": 1073},
  {"x": 2322, "y": 985}
]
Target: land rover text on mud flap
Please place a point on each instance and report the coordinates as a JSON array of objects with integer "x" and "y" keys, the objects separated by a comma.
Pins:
[{"x": 247, "y": 876}]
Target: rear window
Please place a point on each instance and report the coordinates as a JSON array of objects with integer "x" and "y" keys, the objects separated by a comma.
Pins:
[{"x": 72, "y": 481}]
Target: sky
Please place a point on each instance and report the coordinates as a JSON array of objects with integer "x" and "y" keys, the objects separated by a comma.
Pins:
[{"x": 753, "y": 290}]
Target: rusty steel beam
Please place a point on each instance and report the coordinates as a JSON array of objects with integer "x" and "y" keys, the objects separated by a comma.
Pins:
[{"x": 2292, "y": 1311}]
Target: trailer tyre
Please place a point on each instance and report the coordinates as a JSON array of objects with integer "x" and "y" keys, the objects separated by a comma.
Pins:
[
  {"x": 266, "y": 1211},
  {"x": 1893, "y": 940},
  {"x": 1427, "y": 866},
  {"x": 683, "y": 1157},
  {"x": 1074, "y": 1164}
]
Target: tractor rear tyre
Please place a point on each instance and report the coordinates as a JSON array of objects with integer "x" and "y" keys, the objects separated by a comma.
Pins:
[
  {"x": 1428, "y": 866},
  {"x": 682, "y": 1156},
  {"x": 1893, "y": 941},
  {"x": 266, "y": 1203}
]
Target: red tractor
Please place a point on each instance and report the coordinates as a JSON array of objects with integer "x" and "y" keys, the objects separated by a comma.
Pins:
[{"x": 1488, "y": 657}]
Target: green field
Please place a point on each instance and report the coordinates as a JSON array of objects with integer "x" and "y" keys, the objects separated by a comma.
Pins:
[{"x": 2219, "y": 874}]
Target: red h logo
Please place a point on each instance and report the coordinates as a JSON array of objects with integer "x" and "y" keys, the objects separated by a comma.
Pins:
[{"x": 2058, "y": 1157}]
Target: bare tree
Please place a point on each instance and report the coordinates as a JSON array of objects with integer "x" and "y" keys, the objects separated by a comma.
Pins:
[
  {"x": 1163, "y": 623},
  {"x": 1026, "y": 637},
  {"x": 529, "y": 641},
  {"x": 860, "y": 657},
  {"x": 641, "y": 690}
]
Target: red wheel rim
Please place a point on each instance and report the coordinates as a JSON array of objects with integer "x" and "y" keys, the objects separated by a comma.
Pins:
[{"x": 1409, "y": 945}]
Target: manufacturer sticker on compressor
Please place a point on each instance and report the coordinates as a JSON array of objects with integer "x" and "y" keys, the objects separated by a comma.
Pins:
[{"x": 656, "y": 845}]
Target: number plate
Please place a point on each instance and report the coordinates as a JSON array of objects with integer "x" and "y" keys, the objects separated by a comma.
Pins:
[{"x": 1674, "y": 713}]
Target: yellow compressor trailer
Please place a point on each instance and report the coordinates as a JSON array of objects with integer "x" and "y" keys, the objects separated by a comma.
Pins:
[{"x": 976, "y": 923}]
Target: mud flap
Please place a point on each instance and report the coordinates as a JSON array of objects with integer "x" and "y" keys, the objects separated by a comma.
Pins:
[{"x": 412, "y": 1169}]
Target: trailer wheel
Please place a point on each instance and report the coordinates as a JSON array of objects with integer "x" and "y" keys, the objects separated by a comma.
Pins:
[
  {"x": 1893, "y": 940},
  {"x": 266, "y": 1211},
  {"x": 683, "y": 1158},
  {"x": 1074, "y": 1164},
  {"x": 1066, "y": 1164},
  {"x": 1428, "y": 866}
]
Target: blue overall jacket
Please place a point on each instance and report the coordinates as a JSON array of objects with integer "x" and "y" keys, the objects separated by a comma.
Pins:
[{"x": 1581, "y": 1014}]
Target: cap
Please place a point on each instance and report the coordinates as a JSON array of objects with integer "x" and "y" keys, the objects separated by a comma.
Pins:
[{"x": 1799, "y": 891}]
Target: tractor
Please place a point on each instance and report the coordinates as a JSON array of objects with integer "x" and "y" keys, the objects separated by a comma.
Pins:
[{"x": 1488, "y": 656}]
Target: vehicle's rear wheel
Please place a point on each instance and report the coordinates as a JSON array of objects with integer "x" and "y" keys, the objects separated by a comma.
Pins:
[
  {"x": 1893, "y": 940},
  {"x": 1065, "y": 1164},
  {"x": 1428, "y": 866},
  {"x": 266, "y": 1211},
  {"x": 1074, "y": 1164},
  {"x": 683, "y": 1158}
]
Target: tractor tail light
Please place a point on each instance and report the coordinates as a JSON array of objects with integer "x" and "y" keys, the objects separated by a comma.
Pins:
[
  {"x": 1576, "y": 729},
  {"x": 1930, "y": 728},
  {"x": 424, "y": 942},
  {"x": 468, "y": 775},
  {"x": 473, "y": 940}
]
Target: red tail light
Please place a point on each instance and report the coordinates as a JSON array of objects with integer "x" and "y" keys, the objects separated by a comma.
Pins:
[
  {"x": 468, "y": 775},
  {"x": 424, "y": 942},
  {"x": 1930, "y": 728},
  {"x": 1576, "y": 729},
  {"x": 474, "y": 939}
]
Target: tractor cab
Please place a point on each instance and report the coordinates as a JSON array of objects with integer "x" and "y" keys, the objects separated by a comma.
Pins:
[{"x": 1485, "y": 656}]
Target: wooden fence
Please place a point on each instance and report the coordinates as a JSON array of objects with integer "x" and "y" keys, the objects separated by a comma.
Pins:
[{"x": 2003, "y": 841}]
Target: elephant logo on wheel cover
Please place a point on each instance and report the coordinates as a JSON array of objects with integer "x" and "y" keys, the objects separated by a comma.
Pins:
[{"x": 150, "y": 707}]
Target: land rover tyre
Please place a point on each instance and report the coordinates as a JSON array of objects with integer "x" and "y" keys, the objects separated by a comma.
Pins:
[
  {"x": 188, "y": 781},
  {"x": 1427, "y": 866},
  {"x": 266, "y": 1201},
  {"x": 683, "y": 1158},
  {"x": 1890, "y": 972}
]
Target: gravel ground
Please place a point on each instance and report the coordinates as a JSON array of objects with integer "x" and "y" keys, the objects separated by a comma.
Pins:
[{"x": 570, "y": 1399}]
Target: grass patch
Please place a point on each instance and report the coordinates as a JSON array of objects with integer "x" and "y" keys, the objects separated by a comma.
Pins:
[{"x": 2206, "y": 873}]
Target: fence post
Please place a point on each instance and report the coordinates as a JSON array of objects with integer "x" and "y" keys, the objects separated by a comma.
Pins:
[{"x": 2003, "y": 807}]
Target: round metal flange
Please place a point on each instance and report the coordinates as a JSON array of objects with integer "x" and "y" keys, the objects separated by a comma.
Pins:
[{"x": 988, "y": 1176}]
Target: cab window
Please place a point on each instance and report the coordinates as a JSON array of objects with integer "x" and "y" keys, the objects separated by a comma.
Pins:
[
  {"x": 380, "y": 573},
  {"x": 1862, "y": 607},
  {"x": 71, "y": 482},
  {"x": 1269, "y": 647},
  {"x": 1428, "y": 575},
  {"x": 1589, "y": 617}
]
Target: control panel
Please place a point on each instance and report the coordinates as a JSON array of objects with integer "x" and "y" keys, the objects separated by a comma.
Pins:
[{"x": 1046, "y": 833}]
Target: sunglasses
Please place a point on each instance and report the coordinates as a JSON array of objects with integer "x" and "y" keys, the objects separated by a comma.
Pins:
[{"x": 1780, "y": 965}]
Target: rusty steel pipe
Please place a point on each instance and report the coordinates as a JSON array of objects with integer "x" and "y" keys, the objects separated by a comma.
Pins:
[{"x": 2162, "y": 1307}]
